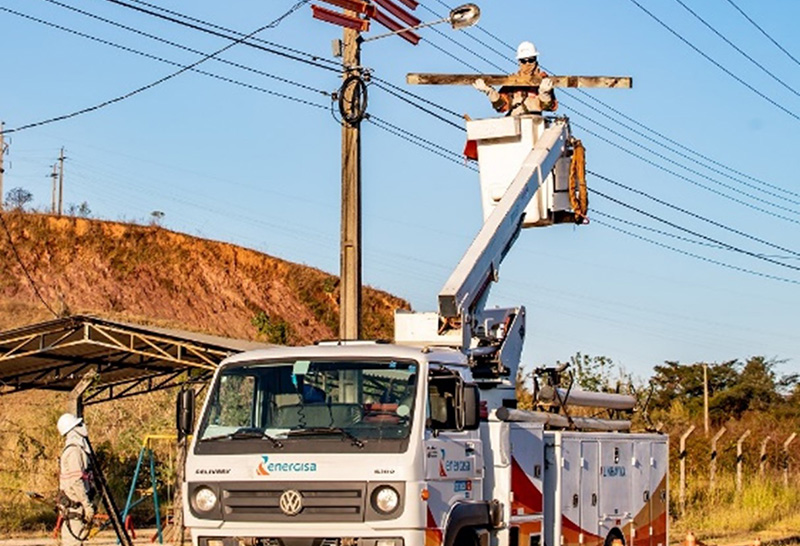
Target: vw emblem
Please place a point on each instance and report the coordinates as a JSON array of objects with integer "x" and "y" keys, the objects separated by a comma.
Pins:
[{"x": 291, "y": 502}]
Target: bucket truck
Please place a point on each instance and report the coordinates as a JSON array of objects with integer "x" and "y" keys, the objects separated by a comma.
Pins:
[{"x": 420, "y": 442}]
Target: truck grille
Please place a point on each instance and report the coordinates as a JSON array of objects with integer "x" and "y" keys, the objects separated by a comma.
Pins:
[{"x": 321, "y": 502}]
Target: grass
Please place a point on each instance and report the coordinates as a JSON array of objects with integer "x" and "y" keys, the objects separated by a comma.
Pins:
[{"x": 764, "y": 508}]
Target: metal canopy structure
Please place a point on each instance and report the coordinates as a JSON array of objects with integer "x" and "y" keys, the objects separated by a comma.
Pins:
[{"x": 129, "y": 359}]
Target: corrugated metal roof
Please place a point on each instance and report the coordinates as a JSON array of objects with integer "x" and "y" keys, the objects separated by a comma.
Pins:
[{"x": 129, "y": 358}]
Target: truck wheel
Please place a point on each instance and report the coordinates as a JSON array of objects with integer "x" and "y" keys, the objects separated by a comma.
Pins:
[{"x": 466, "y": 537}]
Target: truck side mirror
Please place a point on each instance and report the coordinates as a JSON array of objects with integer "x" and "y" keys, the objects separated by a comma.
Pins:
[
  {"x": 184, "y": 413},
  {"x": 472, "y": 407}
]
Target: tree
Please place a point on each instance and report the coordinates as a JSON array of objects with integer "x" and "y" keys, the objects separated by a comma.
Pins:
[
  {"x": 17, "y": 198},
  {"x": 81, "y": 210}
]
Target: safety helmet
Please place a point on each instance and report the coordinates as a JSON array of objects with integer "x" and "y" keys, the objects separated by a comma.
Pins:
[
  {"x": 67, "y": 422},
  {"x": 526, "y": 50}
]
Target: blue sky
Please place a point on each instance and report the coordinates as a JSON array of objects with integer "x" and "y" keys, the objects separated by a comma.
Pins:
[{"x": 241, "y": 164}]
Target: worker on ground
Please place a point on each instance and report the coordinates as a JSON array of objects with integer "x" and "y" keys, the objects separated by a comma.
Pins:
[
  {"x": 76, "y": 487},
  {"x": 522, "y": 99}
]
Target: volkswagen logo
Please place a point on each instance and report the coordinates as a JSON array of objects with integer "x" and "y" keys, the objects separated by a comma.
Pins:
[{"x": 291, "y": 502}]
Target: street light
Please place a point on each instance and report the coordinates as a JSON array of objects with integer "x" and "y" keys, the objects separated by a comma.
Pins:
[{"x": 460, "y": 17}]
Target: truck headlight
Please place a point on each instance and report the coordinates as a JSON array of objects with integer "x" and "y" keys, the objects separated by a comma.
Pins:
[
  {"x": 205, "y": 499},
  {"x": 385, "y": 499}
]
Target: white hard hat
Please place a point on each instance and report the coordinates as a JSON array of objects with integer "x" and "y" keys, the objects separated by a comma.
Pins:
[
  {"x": 526, "y": 50},
  {"x": 67, "y": 422}
]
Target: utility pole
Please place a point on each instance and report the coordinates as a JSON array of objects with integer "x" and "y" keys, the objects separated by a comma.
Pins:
[
  {"x": 350, "y": 251},
  {"x": 60, "y": 180},
  {"x": 2, "y": 168},
  {"x": 54, "y": 179},
  {"x": 705, "y": 397}
]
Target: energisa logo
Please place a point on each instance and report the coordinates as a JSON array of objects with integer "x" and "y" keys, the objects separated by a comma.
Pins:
[{"x": 267, "y": 467}]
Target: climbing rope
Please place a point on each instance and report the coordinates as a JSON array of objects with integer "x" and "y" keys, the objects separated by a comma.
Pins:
[{"x": 578, "y": 194}]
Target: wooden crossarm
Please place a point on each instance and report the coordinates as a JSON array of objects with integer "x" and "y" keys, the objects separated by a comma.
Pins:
[{"x": 616, "y": 82}]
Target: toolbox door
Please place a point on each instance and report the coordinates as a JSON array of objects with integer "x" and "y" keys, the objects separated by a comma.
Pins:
[{"x": 589, "y": 501}]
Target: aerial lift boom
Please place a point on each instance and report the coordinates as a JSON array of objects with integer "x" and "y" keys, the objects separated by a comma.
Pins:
[{"x": 524, "y": 164}]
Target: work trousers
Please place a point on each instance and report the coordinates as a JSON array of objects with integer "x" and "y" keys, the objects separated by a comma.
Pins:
[{"x": 76, "y": 526}]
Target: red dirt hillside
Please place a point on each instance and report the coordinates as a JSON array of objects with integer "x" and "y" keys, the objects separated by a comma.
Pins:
[{"x": 151, "y": 275}]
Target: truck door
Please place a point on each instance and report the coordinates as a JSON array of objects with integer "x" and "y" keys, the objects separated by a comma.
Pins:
[
  {"x": 659, "y": 480},
  {"x": 589, "y": 492},
  {"x": 615, "y": 491},
  {"x": 641, "y": 495}
]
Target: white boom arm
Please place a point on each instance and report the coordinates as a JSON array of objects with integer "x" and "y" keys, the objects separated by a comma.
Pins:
[
  {"x": 523, "y": 170},
  {"x": 466, "y": 288}
]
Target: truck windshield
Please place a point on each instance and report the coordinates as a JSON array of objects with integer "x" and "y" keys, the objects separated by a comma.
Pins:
[{"x": 312, "y": 401}]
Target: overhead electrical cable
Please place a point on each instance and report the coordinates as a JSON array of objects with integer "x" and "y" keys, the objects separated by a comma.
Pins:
[
  {"x": 695, "y": 233},
  {"x": 698, "y": 256},
  {"x": 183, "y": 69},
  {"x": 737, "y": 48},
  {"x": 189, "y": 49},
  {"x": 715, "y": 63},
  {"x": 691, "y": 214},
  {"x": 689, "y": 169},
  {"x": 764, "y": 32},
  {"x": 315, "y": 58},
  {"x": 687, "y": 179},
  {"x": 677, "y": 144},
  {"x": 231, "y": 35},
  {"x": 619, "y": 114},
  {"x": 422, "y": 143},
  {"x": 596, "y": 212}
]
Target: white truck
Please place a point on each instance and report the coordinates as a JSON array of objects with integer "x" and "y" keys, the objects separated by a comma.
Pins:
[{"x": 420, "y": 443}]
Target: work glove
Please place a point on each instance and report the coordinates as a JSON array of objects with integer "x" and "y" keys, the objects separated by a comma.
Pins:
[
  {"x": 88, "y": 512},
  {"x": 482, "y": 86},
  {"x": 546, "y": 86}
]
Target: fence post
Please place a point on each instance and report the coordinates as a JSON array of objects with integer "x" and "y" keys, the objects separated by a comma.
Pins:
[
  {"x": 682, "y": 457},
  {"x": 739, "y": 459},
  {"x": 786, "y": 458},
  {"x": 762, "y": 459},
  {"x": 713, "y": 467}
]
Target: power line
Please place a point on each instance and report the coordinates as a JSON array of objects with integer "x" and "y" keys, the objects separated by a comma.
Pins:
[
  {"x": 441, "y": 151},
  {"x": 696, "y": 234},
  {"x": 693, "y": 171},
  {"x": 697, "y": 256},
  {"x": 243, "y": 39},
  {"x": 674, "y": 142},
  {"x": 715, "y": 63},
  {"x": 147, "y": 55},
  {"x": 189, "y": 49},
  {"x": 651, "y": 229},
  {"x": 315, "y": 58},
  {"x": 739, "y": 50},
  {"x": 689, "y": 180},
  {"x": 22, "y": 265},
  {"x": 691, "y": 214},
  {"x": 764, "y": 32}
]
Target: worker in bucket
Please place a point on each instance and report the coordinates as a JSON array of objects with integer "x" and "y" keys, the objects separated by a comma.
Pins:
[
  {"x": 76, "y": 486},
  {"x": 522, "y": 99}
]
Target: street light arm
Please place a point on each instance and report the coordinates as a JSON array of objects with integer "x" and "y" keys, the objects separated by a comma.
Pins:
[{"x": 461, "y": 17}]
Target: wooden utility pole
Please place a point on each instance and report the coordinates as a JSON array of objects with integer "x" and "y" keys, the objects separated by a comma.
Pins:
[
  {"x": 350, "y": 250},
  {"x": 705, "y": 397},
  {"x": 2, "y": 168},
  {"x": 60, "y": 180}
]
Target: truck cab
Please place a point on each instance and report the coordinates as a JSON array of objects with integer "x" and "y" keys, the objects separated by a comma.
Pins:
[{"x": 343, "y": 443}]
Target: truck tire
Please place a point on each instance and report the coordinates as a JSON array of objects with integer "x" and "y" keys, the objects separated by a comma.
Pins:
[{"x": 466, "y": 537}]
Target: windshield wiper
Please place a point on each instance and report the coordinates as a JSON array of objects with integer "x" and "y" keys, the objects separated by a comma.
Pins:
[
  {"x": 320, "y": 431},
  {"x": 246, "y": 433}
]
